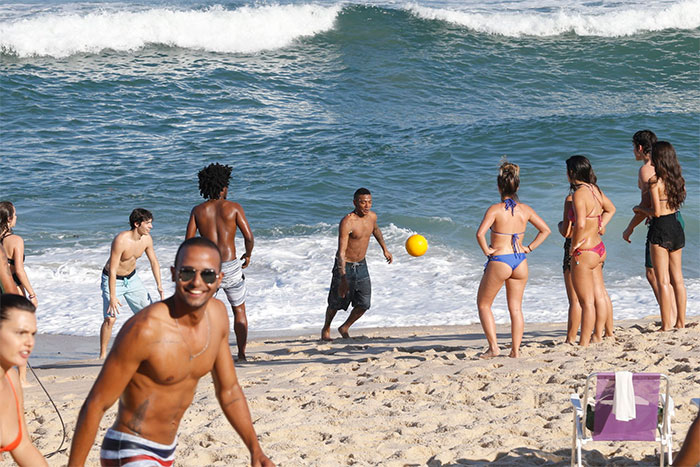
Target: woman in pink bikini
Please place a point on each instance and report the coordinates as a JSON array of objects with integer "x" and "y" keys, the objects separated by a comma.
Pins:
[
  {"x": 506, "y": 257},
  {"x": 590, "y": 212},
  {"x": 17, "y": 329}
]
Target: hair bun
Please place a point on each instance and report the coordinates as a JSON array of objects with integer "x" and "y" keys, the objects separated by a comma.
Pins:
[{"x": 508, "y": 168}]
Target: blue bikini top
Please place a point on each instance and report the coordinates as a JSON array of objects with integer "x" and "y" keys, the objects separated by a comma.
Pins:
[{"x": 510, "y": 204}]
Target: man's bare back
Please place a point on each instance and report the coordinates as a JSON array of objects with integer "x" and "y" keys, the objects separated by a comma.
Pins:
[{"x": 218, "y": 221}]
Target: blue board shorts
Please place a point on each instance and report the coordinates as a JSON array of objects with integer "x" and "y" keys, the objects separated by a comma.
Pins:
[
  {"x": 128, "y": 287},
  {"x": 359, "y": 287}
]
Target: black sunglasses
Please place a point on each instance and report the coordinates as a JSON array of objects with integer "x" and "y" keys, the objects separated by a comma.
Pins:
[{"x": 186, "y": 274}]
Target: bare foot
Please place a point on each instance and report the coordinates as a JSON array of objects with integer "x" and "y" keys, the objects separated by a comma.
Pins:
[
  {"x": 344, "y": 332},
  {"x": 490, "y": 354},
  {"x": 102, "y": 357},
  {"x": 26, "y": 384},
  {"x": 514, "y": 353},
  {"x": 241, "y": 358},
  {"x": 326, "y": 334},
  {"x": 679, "y": 325}
]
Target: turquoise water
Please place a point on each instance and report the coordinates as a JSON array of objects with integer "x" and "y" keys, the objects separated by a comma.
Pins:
[{"x": 110, "y": 106}]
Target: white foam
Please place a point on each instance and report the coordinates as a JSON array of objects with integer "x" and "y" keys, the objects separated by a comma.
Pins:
[
  {"x": 289, "y": 277},
  {"x": 615, "y": 22},
  {"x": 243, "y": 30}
]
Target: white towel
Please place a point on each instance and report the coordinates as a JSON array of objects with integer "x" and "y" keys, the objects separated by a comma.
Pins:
[
  {"x": 623, "y": 400},
  {"x": 671, "y": 407}
]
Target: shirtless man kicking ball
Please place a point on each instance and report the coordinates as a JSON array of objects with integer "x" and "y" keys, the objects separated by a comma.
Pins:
[{"x": 350, "y": 282}]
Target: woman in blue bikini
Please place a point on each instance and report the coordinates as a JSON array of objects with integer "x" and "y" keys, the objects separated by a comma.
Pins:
[
  {"x": 589, "y": 213},
  {"x": 506, "y": 257}
]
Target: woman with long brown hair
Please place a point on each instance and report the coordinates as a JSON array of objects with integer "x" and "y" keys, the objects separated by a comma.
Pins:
[
  {"x": 506, "y": 257},
  {"x": 666, "y": 235},
  {"x": 589, "y": 213}
]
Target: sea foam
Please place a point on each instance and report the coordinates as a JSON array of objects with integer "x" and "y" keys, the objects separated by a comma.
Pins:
[
  {"x": 289, "y": 277},
  {"x": 625, "y": 21},
  {"x": 243, "y": 30}
]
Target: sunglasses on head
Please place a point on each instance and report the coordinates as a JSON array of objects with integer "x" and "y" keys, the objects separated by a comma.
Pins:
[{"x": 186, "y": 274}]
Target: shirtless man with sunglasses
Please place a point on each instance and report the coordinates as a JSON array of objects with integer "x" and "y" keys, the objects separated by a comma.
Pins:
[{"x": 154, "y": 366}]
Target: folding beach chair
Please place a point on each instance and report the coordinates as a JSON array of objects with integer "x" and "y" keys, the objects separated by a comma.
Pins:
[{"x": 652, "y": 421}]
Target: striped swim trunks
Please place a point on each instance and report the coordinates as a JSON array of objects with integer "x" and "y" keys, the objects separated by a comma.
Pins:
[
  {"x": 123, "y": 449},
  {"x": 233, "y": 282}
]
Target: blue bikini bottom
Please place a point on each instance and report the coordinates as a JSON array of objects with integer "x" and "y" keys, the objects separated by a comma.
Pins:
[{"x": 513, "y": 259}]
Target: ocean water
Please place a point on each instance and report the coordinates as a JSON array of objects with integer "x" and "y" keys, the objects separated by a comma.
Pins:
[{"x": 109, "y": 105}]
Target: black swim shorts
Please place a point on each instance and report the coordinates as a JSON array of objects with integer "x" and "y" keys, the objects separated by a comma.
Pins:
[
  {"x": 667, "y": 232},
  {"x": 359, "y": 287}
]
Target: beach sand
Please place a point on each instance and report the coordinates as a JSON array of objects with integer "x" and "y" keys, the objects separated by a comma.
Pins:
[{"x": 395, "y": 397}]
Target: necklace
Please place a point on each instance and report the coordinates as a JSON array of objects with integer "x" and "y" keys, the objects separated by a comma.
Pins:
[{"x": 206, "y": 346}]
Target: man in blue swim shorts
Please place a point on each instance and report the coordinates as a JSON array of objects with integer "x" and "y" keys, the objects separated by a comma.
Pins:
[
  {"x": 119, "y": 278},
  {"x": 350, "y": 282}
]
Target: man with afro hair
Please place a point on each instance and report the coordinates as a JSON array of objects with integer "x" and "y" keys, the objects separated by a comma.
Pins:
[{"x": 217, "y": 219}]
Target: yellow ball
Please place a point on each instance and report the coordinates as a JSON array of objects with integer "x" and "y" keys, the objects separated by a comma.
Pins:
[{"x": 416, "y": 245}]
